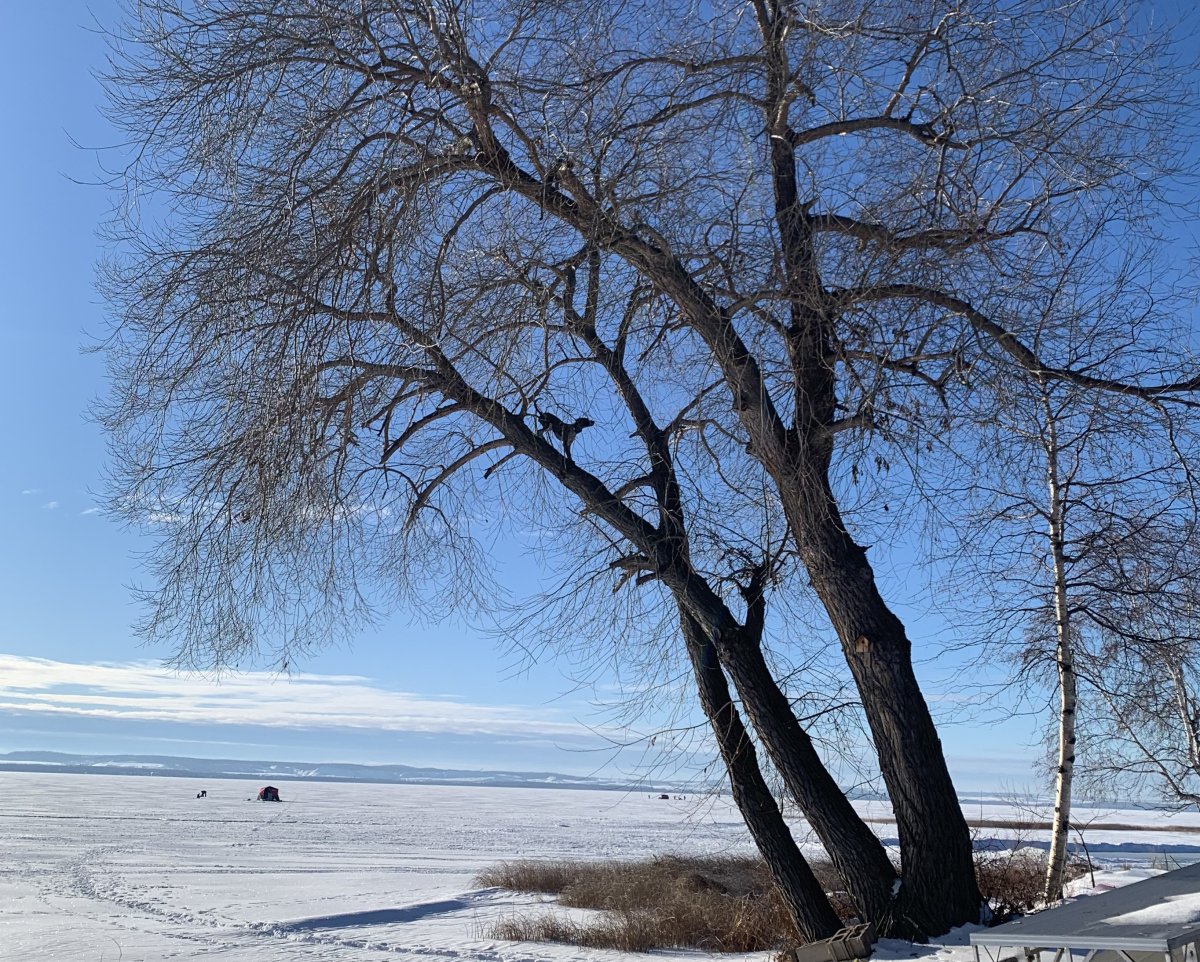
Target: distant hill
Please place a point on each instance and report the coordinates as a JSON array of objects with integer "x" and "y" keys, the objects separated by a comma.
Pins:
[
  {"x": 181, "y": 767},
  {"x": 184, "y": 767}
]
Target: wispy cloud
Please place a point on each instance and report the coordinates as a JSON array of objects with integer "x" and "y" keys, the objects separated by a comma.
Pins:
[
  {"x": 149, "y": 692},
  {"x": 90, "y": 511},
  {"x": 29, "y": 491},
  {"x": 164, "y": 517},
  {"x": 50, "y": 505}
]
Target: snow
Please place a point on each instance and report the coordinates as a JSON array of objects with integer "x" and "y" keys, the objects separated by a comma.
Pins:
[
  {"x": 1173, "y": 910},
  {"x": 105, "y": 868},
  {"x": 1106, "y": 880},
  {"x": 100, "y": 867}
]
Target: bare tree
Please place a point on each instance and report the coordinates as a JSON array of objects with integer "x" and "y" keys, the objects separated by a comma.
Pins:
[
  {"x": 1058, "y": 491},
  {"x": 1053, "y": 549},
  {"x": 1078, "y": 484},
  {"x": 1141, "y": 678},
  {"x": 647, "y": 262},
  {"x": 1148, "y": 729}
]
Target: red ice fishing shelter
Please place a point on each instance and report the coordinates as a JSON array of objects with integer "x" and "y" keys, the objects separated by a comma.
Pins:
[{"x": 268, "y": 793}]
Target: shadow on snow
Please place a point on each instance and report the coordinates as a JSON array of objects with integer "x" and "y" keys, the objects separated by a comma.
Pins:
[{"x": 410, "y": 913}]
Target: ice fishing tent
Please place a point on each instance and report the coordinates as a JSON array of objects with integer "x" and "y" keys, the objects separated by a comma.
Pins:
[{"x": 268, "y": 793}]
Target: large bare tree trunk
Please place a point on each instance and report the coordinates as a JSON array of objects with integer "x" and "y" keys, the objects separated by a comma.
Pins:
[
  {"x": 857, "y": 854},
  {"x": 1056, "y": 865},
  {"x": 806, "y": 900},
  {"x": 939, "y": 889}
]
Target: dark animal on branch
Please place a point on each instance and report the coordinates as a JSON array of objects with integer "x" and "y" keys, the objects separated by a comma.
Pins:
[{"x": 566, "y": 432}]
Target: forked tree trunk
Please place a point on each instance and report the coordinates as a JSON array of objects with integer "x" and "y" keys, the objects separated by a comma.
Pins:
[
  {"x": 857, "y": 854},
  {"x": 1056, "y": 865},
  {"x": 806, "y": 900},
  {"x": 939, "y": 890},
  {"x": 859, "y": 858}
]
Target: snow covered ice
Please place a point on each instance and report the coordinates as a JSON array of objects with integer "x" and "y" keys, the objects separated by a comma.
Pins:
[{"x": 100, "y": 868}]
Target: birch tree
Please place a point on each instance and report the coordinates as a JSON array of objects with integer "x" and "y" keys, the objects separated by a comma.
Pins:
[{"x": 1076, "y": 537}]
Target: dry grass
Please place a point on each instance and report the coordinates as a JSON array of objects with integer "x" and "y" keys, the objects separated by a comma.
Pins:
[
  {"x": 713, "y": 904},
  {"x": 1012, "y": 883},
  {"x": 628, "y": 932}
]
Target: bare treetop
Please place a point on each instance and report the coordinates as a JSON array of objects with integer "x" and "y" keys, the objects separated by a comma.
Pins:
[{"x": 398, "y": 233}]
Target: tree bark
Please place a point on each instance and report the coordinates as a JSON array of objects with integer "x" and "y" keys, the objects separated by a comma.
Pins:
[
  {"x": 857, "y": 854},
  {"x": 1056, "y": 864},
  {"x": 806, "y": 900},
  {"x": 939, "y": 889}
]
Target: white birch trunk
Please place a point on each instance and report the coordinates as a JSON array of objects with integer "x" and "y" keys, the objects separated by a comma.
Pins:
[{"x": 1064, "y": 658}]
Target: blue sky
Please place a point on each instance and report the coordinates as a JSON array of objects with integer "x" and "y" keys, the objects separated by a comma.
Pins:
[{"x": 72, "y": 675}]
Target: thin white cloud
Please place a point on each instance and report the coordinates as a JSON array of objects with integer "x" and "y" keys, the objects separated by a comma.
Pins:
[
  {"x": 90, "y": 511},
  {"x": 164, "y": 517},
  {"x": 50, "y": 505},
  {"x": 29, "y": 491},
  {"x": 151, "y": 693}
]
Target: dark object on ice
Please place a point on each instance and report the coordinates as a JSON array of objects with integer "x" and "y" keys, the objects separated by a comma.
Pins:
[
  {"x": 203, "y": 793},
  {"x": 667, "y": 797},
  {"x": 268, "y": 794}
]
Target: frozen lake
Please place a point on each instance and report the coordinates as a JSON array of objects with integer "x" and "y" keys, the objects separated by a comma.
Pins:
[
  {"x": 122, "y": 867},
  {"x": 136, "y": 868}
]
